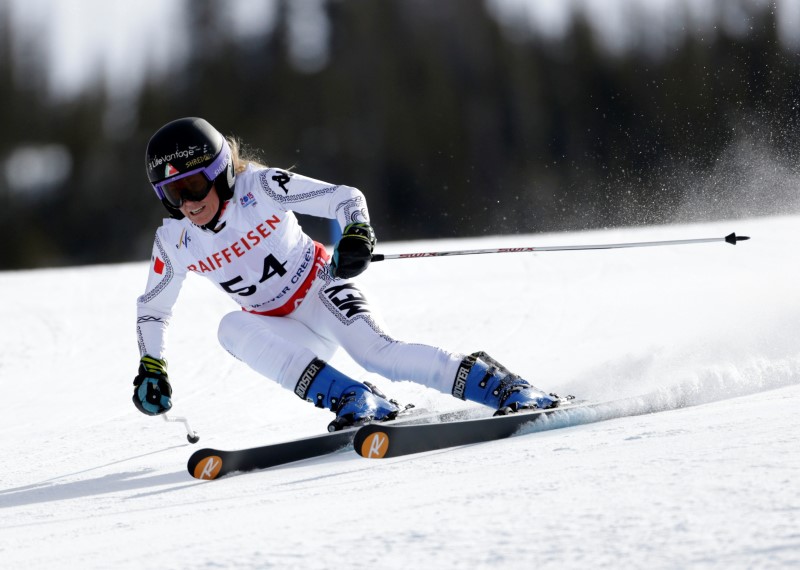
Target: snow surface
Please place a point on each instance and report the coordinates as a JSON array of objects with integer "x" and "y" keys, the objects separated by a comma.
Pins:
[{"x": 696, "y": 465}]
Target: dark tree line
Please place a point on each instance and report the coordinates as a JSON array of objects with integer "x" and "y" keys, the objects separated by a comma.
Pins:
[{"x": 451, "y": 125}]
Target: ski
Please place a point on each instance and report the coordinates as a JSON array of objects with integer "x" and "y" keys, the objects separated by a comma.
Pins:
[
  {"x": 376, "y": 441},
  {"x": 214, "y": 463}
]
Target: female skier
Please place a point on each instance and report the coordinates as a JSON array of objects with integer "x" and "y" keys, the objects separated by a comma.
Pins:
[{"x": 232, "y": 222}]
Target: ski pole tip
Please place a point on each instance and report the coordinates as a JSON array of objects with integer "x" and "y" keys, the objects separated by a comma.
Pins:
[{"x": 733, "y": 238}]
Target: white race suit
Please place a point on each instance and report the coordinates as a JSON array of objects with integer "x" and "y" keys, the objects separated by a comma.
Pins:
[{"x": 292, "y": 309}]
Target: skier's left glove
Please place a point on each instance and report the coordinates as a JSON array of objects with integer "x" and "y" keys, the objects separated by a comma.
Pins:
[
  {"x": 352, "y": 254},
  {"x": 152, "y": 391}
]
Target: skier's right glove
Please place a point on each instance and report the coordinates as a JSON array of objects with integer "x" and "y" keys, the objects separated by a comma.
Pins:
[{"x": 152, "y": 391}]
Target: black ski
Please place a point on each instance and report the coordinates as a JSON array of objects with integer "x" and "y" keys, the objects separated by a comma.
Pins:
[
  {"x": 214, "y": 463},
  {"x": 384, "y": 440}
]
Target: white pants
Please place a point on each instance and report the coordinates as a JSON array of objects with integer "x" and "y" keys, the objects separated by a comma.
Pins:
[{"x": 333, "y": 314}]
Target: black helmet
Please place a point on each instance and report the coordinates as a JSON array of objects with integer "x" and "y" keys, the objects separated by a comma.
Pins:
[{"x": 184, "y": 159}]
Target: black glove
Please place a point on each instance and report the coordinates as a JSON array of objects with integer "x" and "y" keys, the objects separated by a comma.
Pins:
[
  {"x": 352, "y": 254},
  {"x": 152, "y": 392}
]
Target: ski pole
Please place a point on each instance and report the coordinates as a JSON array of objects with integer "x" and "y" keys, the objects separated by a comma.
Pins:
[
  {"x": 731, "y": 239},
  {"x": 191, "y": 435}
]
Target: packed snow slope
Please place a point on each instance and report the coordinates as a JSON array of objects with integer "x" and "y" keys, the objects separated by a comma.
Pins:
[{"x": 695, "y": 463}]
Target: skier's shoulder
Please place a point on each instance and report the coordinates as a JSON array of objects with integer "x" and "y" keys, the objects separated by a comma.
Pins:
[
  {"x": 254, "y": 178},
  {"x": 282, "y": 183},
  {"x": 171, "y": 235},
  {"x": 250, "y": 173},
  {"x": 170, "y": 226}
]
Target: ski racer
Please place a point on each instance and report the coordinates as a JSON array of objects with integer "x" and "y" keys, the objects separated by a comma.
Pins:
[{"x": 232, "y": 221}]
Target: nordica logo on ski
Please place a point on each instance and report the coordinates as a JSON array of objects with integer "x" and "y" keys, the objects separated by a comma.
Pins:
[{"x": 349, "y": 300}]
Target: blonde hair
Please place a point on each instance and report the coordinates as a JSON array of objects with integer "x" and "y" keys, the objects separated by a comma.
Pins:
[{"x": 243, "y": 156}]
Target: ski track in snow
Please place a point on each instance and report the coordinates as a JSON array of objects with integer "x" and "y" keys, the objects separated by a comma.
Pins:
[{"x": 691, "y": 461}]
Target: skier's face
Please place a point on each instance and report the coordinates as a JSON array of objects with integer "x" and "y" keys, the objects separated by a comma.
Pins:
[{"x": 202, "y": 212}]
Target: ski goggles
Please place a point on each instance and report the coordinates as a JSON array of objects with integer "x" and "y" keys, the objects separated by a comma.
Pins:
[{"x": 194, "y": 185}]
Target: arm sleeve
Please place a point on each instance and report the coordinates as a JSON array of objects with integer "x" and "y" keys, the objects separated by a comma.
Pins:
[
  {"x": 314, "y": 197},
  {"x": 154, "y": 308}
]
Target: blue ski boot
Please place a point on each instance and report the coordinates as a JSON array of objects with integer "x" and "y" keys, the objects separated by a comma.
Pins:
[
  {"x": 353, "y": 403},
  {"x": 482, "y": 379}
]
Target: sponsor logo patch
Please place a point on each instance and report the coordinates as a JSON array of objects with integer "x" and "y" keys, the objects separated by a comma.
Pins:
[
  {"x": 199, "y": 160},
  {"x": 184, "y": 240},
  {"x": 460, "y": 385},
  {"x": 248, "y": 200},
  {"x": 375, "y": 446},
  {"x": 158, "y": 266},
  {"x": 208, "y": 468},
  {"x": 178, "y": 154},
  {"x": 349, "y": 300},
  {"x": 307, "y": 377},
  {"x": 282, "y": 178}
]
